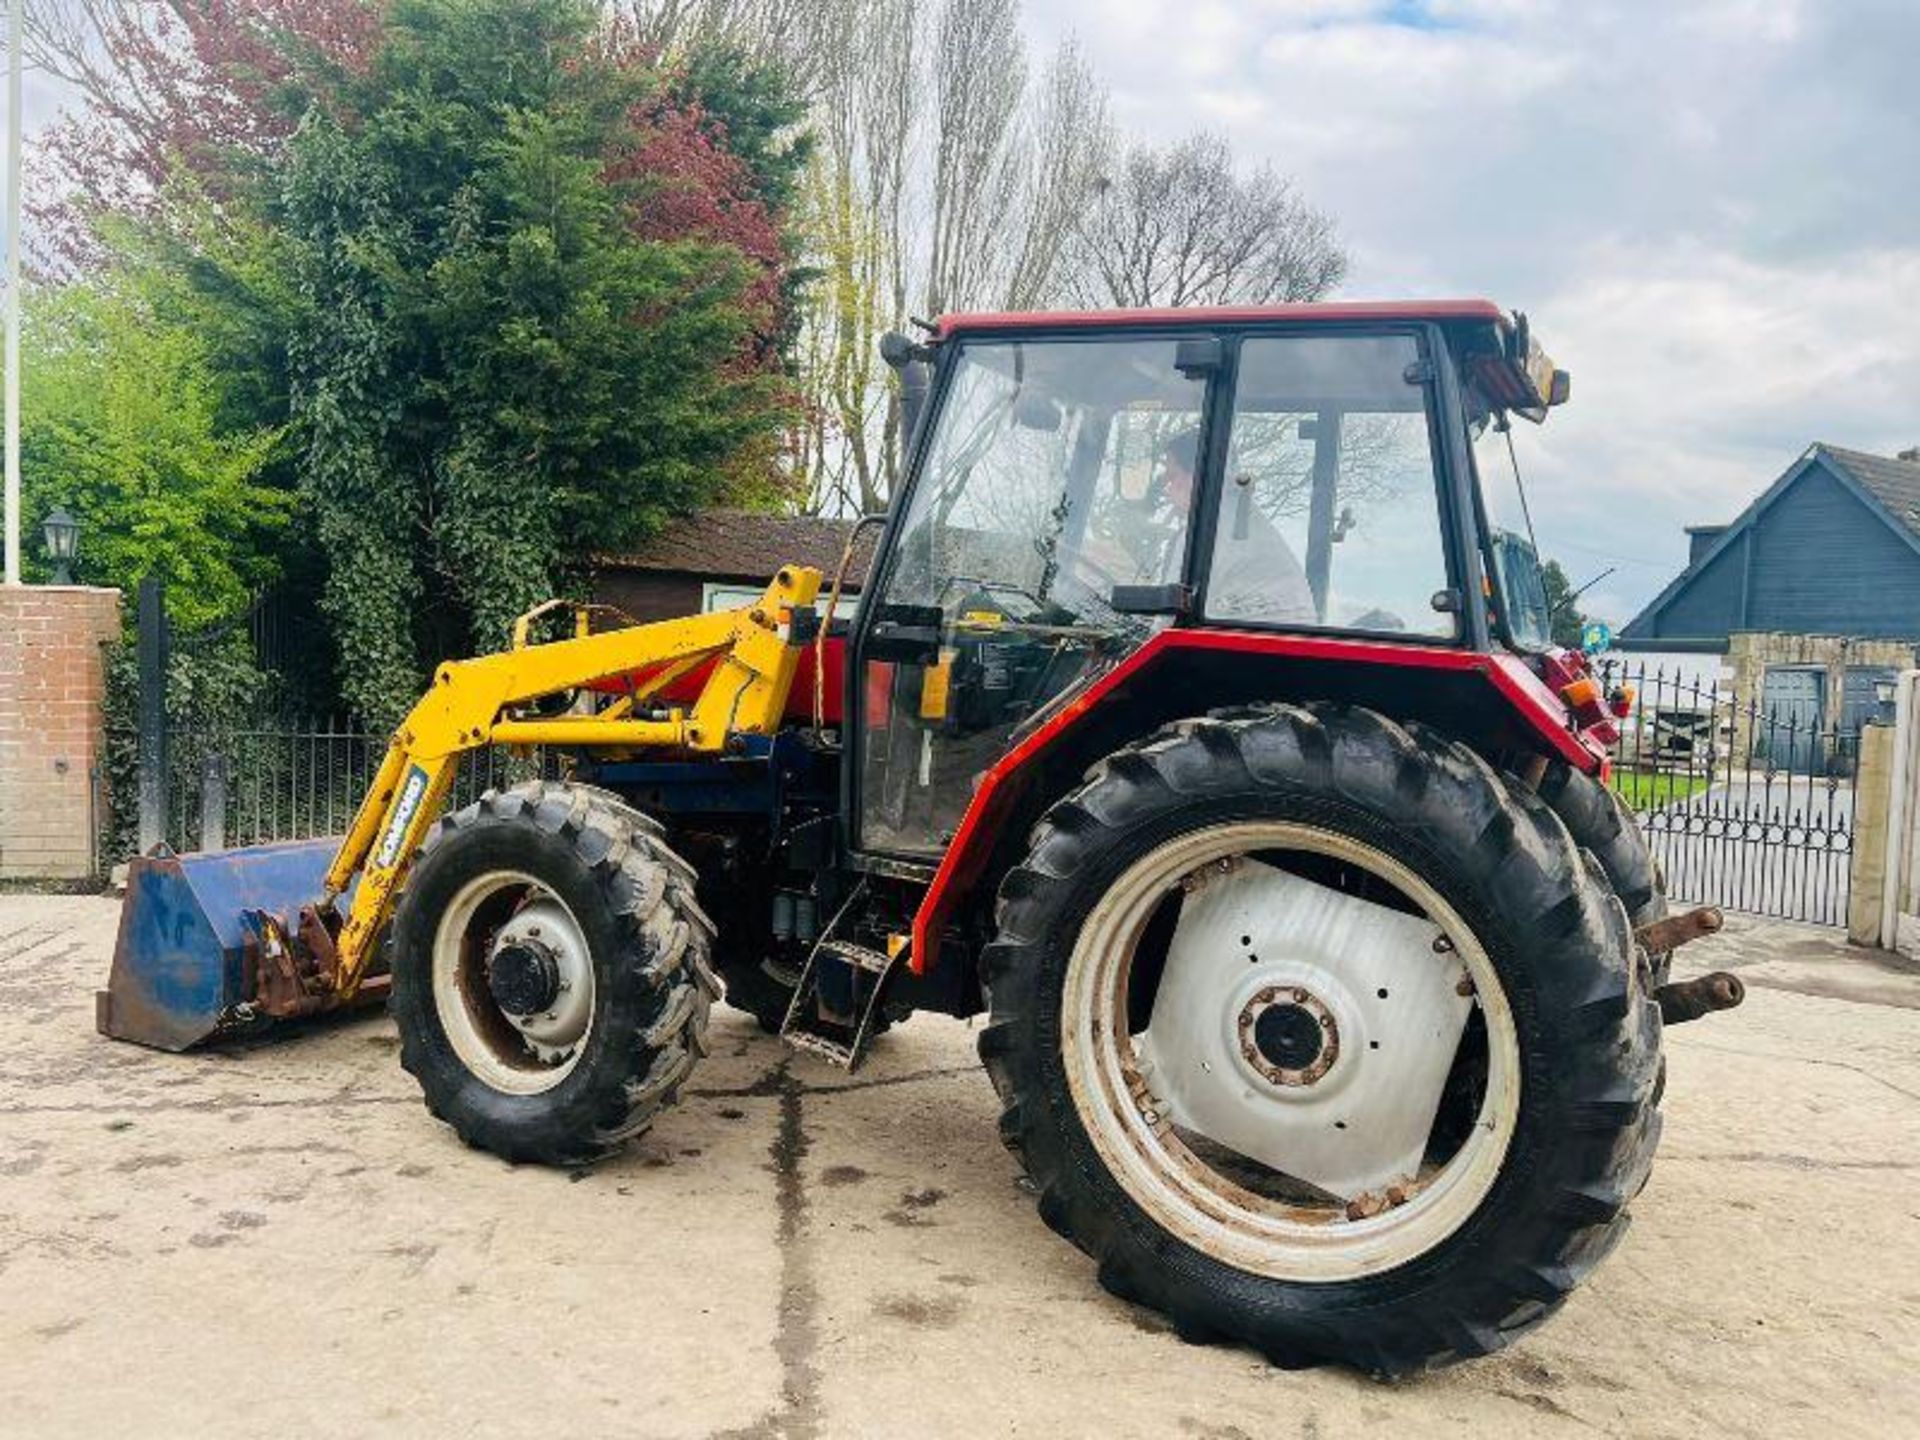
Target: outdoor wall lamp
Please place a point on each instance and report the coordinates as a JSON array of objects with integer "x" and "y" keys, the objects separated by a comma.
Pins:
[{"x": 62, "y": 533}]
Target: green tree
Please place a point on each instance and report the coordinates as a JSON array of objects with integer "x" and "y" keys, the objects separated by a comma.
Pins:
[
  {"x": 497, "y": 372},
  {"x": 434, "y": 304},
  {"x": 760, "y": 117},
  {"x": 122, "y": 423},
  {"x": 755, "y": 107},
  {"x": 1567, "y": 618}
]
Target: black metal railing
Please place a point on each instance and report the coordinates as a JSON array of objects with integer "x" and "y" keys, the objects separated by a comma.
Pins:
[
  {"x": 285, "y": 778},
  {"x": 1746, "y": 804}
]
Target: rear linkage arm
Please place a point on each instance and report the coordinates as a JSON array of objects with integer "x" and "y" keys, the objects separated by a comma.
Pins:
[{"x": 1683, "y": 1000}]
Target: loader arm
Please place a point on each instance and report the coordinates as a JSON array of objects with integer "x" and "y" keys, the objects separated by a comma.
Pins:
[{"x": 470, "y": 703}]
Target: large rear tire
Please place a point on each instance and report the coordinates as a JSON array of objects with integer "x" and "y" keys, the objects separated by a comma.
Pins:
[
  {"x": 1496, "y": 1230},
  {"x": 1600, "y": 822},
  {"x": 550, "y": 973}
]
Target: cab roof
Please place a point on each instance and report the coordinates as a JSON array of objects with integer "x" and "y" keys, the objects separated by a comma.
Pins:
[{"x": 1332, "y": 312}]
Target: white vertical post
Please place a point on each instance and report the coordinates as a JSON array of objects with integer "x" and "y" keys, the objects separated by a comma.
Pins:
[
  {"x": 1905, "y": 779},
  {"x": 14, "y": 113}
]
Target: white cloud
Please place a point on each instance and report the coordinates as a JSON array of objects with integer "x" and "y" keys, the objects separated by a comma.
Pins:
[
  {"x": 1698, "y": 377},
  {"x": 1707, "y": 208}
]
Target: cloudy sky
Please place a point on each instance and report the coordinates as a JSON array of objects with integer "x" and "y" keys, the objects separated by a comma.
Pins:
[{"x": 1710, "y": 209}]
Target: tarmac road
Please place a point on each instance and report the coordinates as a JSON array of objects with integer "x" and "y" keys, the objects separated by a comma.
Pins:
[{"x": 279, "y": 1240}]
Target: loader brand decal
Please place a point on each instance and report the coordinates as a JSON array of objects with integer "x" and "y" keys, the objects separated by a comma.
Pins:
[{"x": 411, "y": 794}]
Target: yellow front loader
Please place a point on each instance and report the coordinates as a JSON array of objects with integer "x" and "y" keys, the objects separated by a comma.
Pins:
[{"x": 223, "y": 941}]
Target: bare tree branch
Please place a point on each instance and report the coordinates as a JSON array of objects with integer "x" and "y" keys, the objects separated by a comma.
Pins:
[
  {"x": 1069, "y": 146},
  {"x": 1179, "y": 226},
  {"x": 979, "y": 76}
]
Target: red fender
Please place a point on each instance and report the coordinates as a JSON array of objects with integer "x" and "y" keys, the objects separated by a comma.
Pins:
[{"x": 1530, "y": 699}]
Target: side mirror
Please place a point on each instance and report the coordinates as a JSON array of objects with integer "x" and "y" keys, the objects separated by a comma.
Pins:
[
  {"x": 1522, "y": 590},
  {"x": 913, "y": 363}
]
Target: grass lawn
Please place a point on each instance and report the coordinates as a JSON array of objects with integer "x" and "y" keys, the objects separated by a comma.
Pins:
[{"x": 1649, "y": 791}]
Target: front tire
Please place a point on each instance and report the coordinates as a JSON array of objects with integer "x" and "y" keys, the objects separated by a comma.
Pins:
[
  {"x": 1361, "y": 807},
  {"x": 550, "y": 973}
]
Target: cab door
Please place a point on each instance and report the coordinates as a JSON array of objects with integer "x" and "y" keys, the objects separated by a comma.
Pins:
[
  {"x": 1044, "y": 489},
  {"x": 1332, "y": 514}
]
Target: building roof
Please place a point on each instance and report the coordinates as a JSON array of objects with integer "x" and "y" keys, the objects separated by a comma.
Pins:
[
  {"x": 1889, "y": 488},
  {"x": 746, "y": 545},
  {"x": 1329, "y": 312},
  {"x": 1895, "y": 483}
]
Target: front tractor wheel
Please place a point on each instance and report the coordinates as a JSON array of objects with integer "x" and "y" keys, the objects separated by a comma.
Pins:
[
  {"x": 550, "y": 973},
  {"x": 1319, "y": 1037}
]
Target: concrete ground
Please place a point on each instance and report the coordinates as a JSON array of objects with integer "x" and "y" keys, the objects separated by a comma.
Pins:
[{"x": 279, "y": 1240}]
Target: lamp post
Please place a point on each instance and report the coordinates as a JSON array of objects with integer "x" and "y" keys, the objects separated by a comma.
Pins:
[
  {"x": 1885, "y": 697},
  {"x": 62, "y": 534}
]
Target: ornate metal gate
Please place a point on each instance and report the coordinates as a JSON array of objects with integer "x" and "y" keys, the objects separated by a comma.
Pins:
[{"x": 1747, "y": 802}]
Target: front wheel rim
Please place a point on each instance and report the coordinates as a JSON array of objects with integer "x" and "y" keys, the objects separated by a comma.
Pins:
[
  {"x": 531, "y": 1050},
  {"x": 1160, "y": 1171}
]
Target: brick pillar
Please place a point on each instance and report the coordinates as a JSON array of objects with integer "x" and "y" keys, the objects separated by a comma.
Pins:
[
  {"x": 1872, "y": 802},
  {"x": 52, "y": 681}
]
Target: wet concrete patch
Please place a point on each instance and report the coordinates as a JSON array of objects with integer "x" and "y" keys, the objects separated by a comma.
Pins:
[{"x": 937, "y": 1312}]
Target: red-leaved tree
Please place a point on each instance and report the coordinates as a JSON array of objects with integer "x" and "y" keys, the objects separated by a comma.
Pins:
[
  {"x": 209, "y": 88},
  {"x": 200, "y": 87}
]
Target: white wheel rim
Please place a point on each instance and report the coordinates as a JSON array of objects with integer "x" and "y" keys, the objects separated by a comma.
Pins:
[
  {"x": 1311, "y": 1243},
  {"x": 518, "y": 1055}
]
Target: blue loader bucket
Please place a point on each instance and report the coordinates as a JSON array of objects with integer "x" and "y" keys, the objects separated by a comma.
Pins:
[{"x": 184, "y": 965}]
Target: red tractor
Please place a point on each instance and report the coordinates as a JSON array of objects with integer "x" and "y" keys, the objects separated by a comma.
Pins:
[{"x": 1198, "y": 723}]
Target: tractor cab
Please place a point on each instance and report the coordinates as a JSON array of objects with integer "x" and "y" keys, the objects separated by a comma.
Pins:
[{"x": 1081, "y": 483}]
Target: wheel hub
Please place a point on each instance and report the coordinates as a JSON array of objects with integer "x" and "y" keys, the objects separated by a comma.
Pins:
[
  {"x": 1289, "y": 1036},
  {"x": 540, "y": 974},
  {"x": 524, "y": 978},
  {"x": 1304, "y": 1028}
]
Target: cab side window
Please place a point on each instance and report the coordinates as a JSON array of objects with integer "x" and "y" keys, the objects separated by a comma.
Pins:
[{"x": 1329, "y": 514}]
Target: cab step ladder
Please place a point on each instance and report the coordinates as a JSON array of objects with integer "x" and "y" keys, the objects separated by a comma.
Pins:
[{"x": 838, "y": 998}]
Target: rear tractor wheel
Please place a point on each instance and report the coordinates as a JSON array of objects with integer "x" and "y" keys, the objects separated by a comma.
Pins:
[
  {"x": 1319, "y": 1037},
  {"x": 550, "y": 973},
  {"x": 1600, "y": 822}
]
